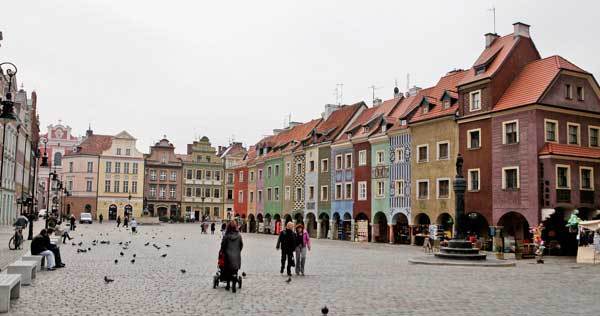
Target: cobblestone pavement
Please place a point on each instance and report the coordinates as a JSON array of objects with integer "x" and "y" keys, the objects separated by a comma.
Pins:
[
  {"x": 8, "y": 256},
  {"x": 350, "y": 278}
]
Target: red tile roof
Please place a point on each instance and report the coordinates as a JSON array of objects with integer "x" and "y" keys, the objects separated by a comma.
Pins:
[
  {"x": 368, "y": 116},
  {"x": 92, "y": 145},
  {"x": 433, "y": 96},
  {"x": 570, "y": 150},
  {"x": 533, "y": 80}
]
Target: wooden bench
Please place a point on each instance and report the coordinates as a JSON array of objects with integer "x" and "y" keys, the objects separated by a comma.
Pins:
[
  {"x": 10, "y": 288},
  {"x": 37, "y": 259},
  {"x": 25, "y": 268}
]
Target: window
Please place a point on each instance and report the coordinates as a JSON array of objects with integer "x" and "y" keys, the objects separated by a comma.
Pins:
[
  {"x": 348, "y": 161},
  {"x": 276, "y": 170},
  {"x": 217, "y": 175},
  {"x": 362, "y": 190},
  {"x": 510, "y": 178},
  {"x": 57, "y": 159},
  {"x": 269, "y": 194},
  {"x": 422, "y": 153},
  {"x": 422, "y": 189},
  {"x": 362, "y": 158},
  {"x": 216, "y": 211},
  {"x": 573, "y": 129},
  {"x": 380, "y": 185},
  {"x": 90, "y": 166},
  {"x": 70, "y": 166},
  {"x": 568, "y": 92},
  {"x": 189, "y": 174},
  {"x": 325, "y": 165},
  {"x": 163, "y": 175},
  {"x": 117, "y": 167},
  {"x": 217, "y": 193},
  {"x": 443, "y": 150},
  {"x": 108, "y": 167},
  {"x": 580, "y": 94},
  {"x": 338, "y": 162},
  {"x": 107, "y": 186},
  {"x": 276, "y": 193},
  {"x": 288, "y": 193},
  {"x": 474, "y": 138},
  {"x": 593, "y": 132},
  {"x": 443, "y": 188},
  {"x": 551, "y": 130},
  {"x": 118, "y": 151},
  {"x": 563, "y": 177},
  {"x": 473, "y": 181},
  {"x": 399, "y": 188},
  {"x": 324, "y": 193},
  {"x": 380, "y": 157},
  {"x": 135, "y": 168},
  {"x": 260, "y": 176},
  {"x": 269, "y": 172},
  {"x": 206, "y": 193},
  {"x": 126, "y": 167},
  {"x": 161, "y": 192},
  {"x": 70, "y": 185},
  {"x": 425, "y": 108},
  {"x": 173, "y": 175},
  {"x": 208, "y": 175},
  {"x": 251, "y": 196},
  {"x": 446, "y": 103},
  {"x": 88, "y": 186},
  {"x": 125, "y": 186},
  {"x": 298, "y": 196},
  {"x": 153, "y": 175},
  {"x": 241, "y": 196},
  {"x": 153, "y": 190},
  {"x": 475, "y": 100},
  {"x": 338, "y": 191},
  {"x": 400, "y": 154},
  {"x": 117, "y": 187},
  {"x": 311, "y": 166},
  {"x": 240, "y": 177},
  {"x": 188, "y": 192},
  {"x": 127, "y": 152},
  {"x": 298, "y": 168},
  {"x": 134, "y": 187},
  {"x": 252, "y": 176},
  {"x": 348, "y": 191},
  {"x": 230, "y": 194},
  {"x": 510, "y": 132},
  {"x": 311, "y": 193},
  {"x": 586, "y": 175},
  {"x": 172, "y": 191}
]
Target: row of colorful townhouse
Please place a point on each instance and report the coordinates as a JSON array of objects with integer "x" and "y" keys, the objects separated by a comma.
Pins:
[{"x": 527, "y": 128}]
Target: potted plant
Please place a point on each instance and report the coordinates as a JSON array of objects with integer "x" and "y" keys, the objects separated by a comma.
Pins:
[{"x": 499, "y": 253}]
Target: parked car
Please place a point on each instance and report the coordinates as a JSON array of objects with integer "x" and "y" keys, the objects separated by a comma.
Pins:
[
  {"x": 42, "y": 213},
  {"x": 85, "y": 218}
]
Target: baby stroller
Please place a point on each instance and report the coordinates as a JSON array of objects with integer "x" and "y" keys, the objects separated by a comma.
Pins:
[{"x": 220, "y": 275}]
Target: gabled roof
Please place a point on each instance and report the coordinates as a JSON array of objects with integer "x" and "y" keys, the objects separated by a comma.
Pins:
[
  {"x": 331, "y": 127},
  {"x": 533, "y": 80},
  {"x": 446, "y": 85},
  {"x": 92, "y": 145},
  {"x": 570, "y": 150},
  {"x": 124, "y": 135},
  {"x": 371, "y": 116}
]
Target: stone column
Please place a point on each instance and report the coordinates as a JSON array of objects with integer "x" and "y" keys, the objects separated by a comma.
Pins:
[
  {"x": 352, "y": 230},
  {"x": 411, "y": 234},
  {"x": 319, "y": 228},
  {"x": 391, "y": 233},
  {"x": 330, "y": 232},
  {"x": 460, "y": 186},
  {"x": 372, "y": 229}
]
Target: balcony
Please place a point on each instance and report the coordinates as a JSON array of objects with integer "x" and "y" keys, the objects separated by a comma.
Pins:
[
  {"x": 586, "y": 196},
  {"x": 563, "y": 196}
]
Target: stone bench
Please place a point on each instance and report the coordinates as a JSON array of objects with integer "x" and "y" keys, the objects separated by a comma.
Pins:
[
  {"x": 10, "y": 288},
  {"x": 25, "y": 268},
  {"x": 37, "y": 259}
]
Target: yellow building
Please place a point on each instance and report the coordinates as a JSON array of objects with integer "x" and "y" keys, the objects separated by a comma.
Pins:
[{"x": 121, "y": 179}]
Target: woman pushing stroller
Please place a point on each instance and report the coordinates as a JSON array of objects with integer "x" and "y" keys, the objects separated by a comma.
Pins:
[{"x": 231, "y": 248}]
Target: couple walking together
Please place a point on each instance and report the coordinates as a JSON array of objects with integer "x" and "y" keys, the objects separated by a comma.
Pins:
[{"x": 290, "y": 242}]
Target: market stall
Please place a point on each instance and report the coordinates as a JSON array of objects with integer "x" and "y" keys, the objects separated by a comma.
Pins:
[{"x": 589, "y": 242}]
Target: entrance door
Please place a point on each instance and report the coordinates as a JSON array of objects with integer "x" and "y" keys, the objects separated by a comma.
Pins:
[
  {"x": 128, "y": 210},
  {"x": 197, "y": 215},
  {"x": 112, "y": 212}
]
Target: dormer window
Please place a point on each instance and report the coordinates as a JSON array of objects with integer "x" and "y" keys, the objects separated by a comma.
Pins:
[
  {"x": 446, "y": 103},
  {"x": 580, "y": 93},
  {"x": 479, "y": 71},
  {"x": 365, "y": 129},
  {"x": 425, "y": 108},
  {"x": 568, "y": 92},
  {"x": 475, "y": 101}
]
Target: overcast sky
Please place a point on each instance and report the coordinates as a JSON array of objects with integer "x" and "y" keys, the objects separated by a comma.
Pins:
[{"x": 223, "y": 68}]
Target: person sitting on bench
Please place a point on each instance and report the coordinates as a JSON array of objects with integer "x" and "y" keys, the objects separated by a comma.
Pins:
[
  {"x": 55, "y": 250},
  {"x": 40, "y": 248}
]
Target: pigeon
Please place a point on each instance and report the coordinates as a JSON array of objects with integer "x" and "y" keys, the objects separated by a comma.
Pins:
[
  {"x": 132, "y": 260},
  {"x": 243, "y": 274},
  {"x": 146, "y": 244},
  {"x": 107, "y": 280},
  {"x": 116, "y": 261},
  {"x": 134, "y": 255},
  {"x": 164, "y": 255},
  {"x": 182, "y": 270},
  {"x": 80, "y": 243},
  {"x": 121, "y": 253},
  {"x": 289, "y": 280},
  {"x": 168, "y": 246},
  {"x": 120, "y": 243},
  {"x": 72, "y": 244},
  {"x": 89, "y": 249},
  {"x": 81, "y": 250},
  {"x": 169, "y": 237},
  {"x": 325, "y": 310}
]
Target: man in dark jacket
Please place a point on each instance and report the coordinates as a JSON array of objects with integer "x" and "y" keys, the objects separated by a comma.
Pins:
[
  {"x": 39, "y": 247},
  {"x": 54, "y": 248},
  {"x": 231, "y": 246},
  {"x": 287, "y": 243}
]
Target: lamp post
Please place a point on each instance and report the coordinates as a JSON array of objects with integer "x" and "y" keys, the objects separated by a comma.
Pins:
[{"x": 8, "y": 114}]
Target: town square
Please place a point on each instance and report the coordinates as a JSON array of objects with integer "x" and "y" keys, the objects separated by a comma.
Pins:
[{"x": 299, "y": 158}]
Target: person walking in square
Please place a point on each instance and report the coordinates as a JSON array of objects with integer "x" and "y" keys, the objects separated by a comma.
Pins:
[
  {"x": 287, "y": 243},
  {"x": 72, "y": 221},
  {"x": 212, "y": 228},
  {"x": 126, "y": 221},
  {"x": 101, "y": 218},
  {"x": 231, "y": 246},
  {"x": 302, "y": 244},
  {"x": 118, "y": 221},
  {"x": 133, "y": 225}
]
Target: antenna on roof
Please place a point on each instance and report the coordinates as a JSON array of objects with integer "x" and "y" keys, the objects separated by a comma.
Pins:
[
  {"x": 493, "y": 9},
  {"x": 339, "y": 93},
  {"x": 373, "y": 88},
  {"x": 407, "y": 81}
]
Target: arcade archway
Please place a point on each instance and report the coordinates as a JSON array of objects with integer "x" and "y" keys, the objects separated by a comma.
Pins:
[{"x": 380, "y": 228}]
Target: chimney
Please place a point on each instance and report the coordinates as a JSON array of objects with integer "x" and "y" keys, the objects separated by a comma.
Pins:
[
  {"x": 490, "y": 38},
  {"x": 377, "y": 102},
  {"x": 413, "y": 91},
  {"x": 521, "y": 29},
  {"x": 329, "y": 108},
  {"x": 397, "y": 93}
]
